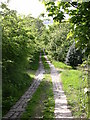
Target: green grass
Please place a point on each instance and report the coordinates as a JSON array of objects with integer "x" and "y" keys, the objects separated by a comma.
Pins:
[
  {"x": 60, "y": 65},
  {"x": 46, "y": 65},
  {"x": 31, "y": 73},
  {"x": 42, "y": 103},
  {"x": 49, "y": 103},
  {"x": 73, "y": 85}
]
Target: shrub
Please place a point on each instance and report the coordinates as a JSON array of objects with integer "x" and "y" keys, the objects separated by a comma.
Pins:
[{"x": 74, "y": 56}]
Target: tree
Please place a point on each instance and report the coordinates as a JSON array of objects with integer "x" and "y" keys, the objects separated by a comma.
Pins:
[
  {"x": 79, "y": 17},
  {"x": 20, "y": 38},
  {"x": 56, "y": 41},
  {"x": 74, "y": 56}
]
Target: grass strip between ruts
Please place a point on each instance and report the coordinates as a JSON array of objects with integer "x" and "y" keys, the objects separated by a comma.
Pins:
[{"x": 42, "y": 103}]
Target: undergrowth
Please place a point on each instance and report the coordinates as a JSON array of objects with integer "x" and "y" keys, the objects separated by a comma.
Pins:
[{"x": 13, "y": 90}]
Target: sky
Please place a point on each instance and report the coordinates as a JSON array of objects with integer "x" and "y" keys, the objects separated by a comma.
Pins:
[{"x": 26, "y": 7}]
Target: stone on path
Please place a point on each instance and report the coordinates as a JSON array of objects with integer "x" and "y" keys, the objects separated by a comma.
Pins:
[{"x": 16, "y": 111}]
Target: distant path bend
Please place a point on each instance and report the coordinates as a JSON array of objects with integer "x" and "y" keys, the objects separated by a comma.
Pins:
[
  {"x": 16, "y": 111},
  {"x": 61, "y": 107}
]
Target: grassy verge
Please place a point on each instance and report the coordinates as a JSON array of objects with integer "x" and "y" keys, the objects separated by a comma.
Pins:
[
  {"x": 13, "y": 91},
  {"x": 74, "y": 86},
  {"x": 42, "y": 102},
  {"x": 60, "y": 65}
]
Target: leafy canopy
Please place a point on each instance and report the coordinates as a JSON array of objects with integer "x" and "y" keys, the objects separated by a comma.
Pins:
[{"x": 79, "y": 13}]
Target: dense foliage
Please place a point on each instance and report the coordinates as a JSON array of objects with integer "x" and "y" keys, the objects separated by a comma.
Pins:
[
  {"x": 20, "y": 49},
  {"x": 56, "y": 41},
  {"x": 79, "y": 13}
]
